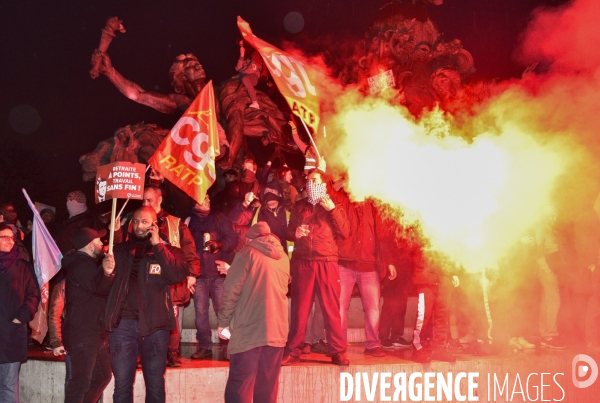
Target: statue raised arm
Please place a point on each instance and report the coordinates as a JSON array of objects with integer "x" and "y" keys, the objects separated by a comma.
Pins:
[{"x": 187, "y": 78}]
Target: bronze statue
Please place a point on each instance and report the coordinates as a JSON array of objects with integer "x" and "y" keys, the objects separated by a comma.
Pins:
[
  {"x": 406, "y": 44},
  {"x": 188, "y": 78}
]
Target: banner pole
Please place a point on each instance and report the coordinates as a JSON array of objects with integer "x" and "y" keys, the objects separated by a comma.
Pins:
[
  {"x": 112, "y": 226},
  {"x": 311, "y": 139}
]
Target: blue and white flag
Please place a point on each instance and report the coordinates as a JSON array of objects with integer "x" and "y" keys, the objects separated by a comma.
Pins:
[{"x": 46, "y": 262}]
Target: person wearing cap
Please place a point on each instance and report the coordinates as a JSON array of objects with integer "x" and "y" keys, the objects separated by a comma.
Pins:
[
  {"x": 88, "y": 284},
  {"x": 19, "y": 300},
  {"x": 79, "y": 217},
  {"x": 254, "y": 309},
  {"x": 139, "y": 311}
]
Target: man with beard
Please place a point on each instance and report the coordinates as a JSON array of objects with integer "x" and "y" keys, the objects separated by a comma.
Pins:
[
  {"x": 85, "y": 339},
  {"x": 139, "y": 311},
  {"x": 178, "y": 235},
  {"x": 19, "y": 299},
  {"x": 79, "y": 217}
]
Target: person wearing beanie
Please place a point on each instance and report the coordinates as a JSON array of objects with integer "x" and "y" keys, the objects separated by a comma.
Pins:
[
  {"x": 88, "y": 282},
  {"x": 79, "y": 217},
  {"x": 269, "y": 209},
  {"x": 19, "y": 300},
  {"x": 254, "y": 309}
]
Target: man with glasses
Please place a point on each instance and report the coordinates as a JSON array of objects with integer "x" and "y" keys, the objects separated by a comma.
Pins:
[{"x": 19, "y": 299}]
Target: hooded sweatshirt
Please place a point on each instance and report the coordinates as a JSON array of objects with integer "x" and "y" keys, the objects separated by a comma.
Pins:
[{"x": 254, "y": 304}]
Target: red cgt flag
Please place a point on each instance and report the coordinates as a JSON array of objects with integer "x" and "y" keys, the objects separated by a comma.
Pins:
[
  {"x": 186, "y": 157},
  {"x": 293, "y": 79}
]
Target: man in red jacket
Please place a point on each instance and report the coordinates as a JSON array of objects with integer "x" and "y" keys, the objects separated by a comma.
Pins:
[{"x": 316, "y": 224}]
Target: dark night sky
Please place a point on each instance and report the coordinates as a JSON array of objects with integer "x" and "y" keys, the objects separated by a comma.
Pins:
[{"x": 46, "y": 48}]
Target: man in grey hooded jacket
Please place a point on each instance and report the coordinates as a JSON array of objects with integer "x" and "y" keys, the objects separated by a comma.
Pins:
[{"x": 254, "y": 309}]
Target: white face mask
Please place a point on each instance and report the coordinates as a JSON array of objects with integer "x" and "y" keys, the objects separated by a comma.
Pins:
[
  {"x": 316, "y": 191},
  {"x": 75, "y": 208}
]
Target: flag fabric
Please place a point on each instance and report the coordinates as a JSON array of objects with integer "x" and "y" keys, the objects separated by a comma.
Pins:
[
  {"x": 187, "y": 156},
  {"x": 293, "y": 78},
  {"x": 46, "y": 263}
]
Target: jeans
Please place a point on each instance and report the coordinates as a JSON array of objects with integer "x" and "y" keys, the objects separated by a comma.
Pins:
[
  {"x": 206, "y": 287},
  {"x": 125, "y": 345},
  {"x": 68, "y": 370},
  {"x": 250, "y": 81},
  {"x": 549, "y": 303},
  {"x": 254, "y": 375},
  {"x": 9, "y": 382},
  {"x": 368, "y": 284},
  {"x": 90, "y": 362},
  {"x": 175, "y": 335}
]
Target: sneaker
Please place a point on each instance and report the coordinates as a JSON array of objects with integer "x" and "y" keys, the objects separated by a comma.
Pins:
[
  {"x": 400, "y": 342},
  {"x": 320, "y": 347},
  {"x": 173, "y": 359},
  {"x": 442, "y": 354},
  {"x": 202, "y": 353},
  {"x": 553, "y": 342},
  {"x": 306, "y": 348},
  {"x": 254, "y": 105},
  {"x": 525, "y": 343},
  {"x": 387, "y": 343},
  {"x": 481, "y": 349},
  {"x": 289, "y": 359},
  {"x": 421, "y": 356},
  {"x": 375, "y": 352},
  {"x": 340, "y": 359},
  {"x": 467, "y": 339},
  {"x": 520, "y": 344},
  {"x": 454, "y": 345}
]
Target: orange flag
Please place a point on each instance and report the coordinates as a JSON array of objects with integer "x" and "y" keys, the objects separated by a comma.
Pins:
[
  {"x": 293, "y": 79},
  {"x": 187, "y": 155}
]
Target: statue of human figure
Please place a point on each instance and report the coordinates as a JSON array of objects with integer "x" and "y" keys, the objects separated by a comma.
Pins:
[{"x": 187, "y": 78}]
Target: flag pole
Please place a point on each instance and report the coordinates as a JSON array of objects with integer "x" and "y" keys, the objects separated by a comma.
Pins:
[
  {"x": 112, "y": 226},
  {"x": 122, "y": 208},
  {"x": 311, "y": 139}
]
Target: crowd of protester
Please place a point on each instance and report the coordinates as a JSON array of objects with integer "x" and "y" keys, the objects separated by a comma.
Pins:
[{"x": 261, "y": 237}]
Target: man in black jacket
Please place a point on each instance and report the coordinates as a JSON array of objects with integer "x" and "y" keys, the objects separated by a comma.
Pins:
[
  {"x": 139, "y": 311},
  {"x": 178, "y": 235},
  {"x": 84, "y": 337},
  {"x": 220, "y": 241},
  {"x": 19, "y": 299}
]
